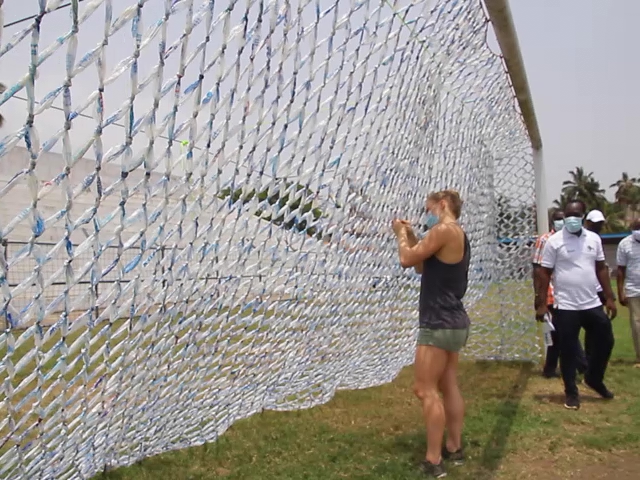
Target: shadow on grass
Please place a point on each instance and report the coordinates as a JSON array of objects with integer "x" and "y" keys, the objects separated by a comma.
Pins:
[
  {"x": 622, "y": 361},
  {"x": 495, "y": 447},
  {"x": 559, "y": 398},
  {"x": 487, "y": 452}
]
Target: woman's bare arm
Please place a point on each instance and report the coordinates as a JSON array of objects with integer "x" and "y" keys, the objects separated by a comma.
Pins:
[
  {"x": 413, "y": 241},
  {"x": 433, "y": 241}
]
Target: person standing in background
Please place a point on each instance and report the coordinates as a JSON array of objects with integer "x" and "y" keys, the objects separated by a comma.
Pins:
[
  {"x": 551, "y": 359},
  {"x": 575, "y": 258},
  {"x": 595, "y": 223},
  {"x": 628, "y": 260}
]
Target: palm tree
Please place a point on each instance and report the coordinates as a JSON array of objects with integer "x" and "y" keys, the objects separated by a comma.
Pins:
[
  {"x": 615, "y": 215},
  {"x": 626, "y": 187},
  {"x": 633, "y": 211},
  {"x": 561, "y": 202},
  {"x": 583, "y": 186}
]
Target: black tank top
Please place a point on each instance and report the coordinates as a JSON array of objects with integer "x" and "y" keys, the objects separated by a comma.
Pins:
[{"x": 442, "y": 288}]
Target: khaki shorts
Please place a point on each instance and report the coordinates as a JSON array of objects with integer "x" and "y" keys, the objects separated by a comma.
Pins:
[
  {"x": 451, "y": 340},
  {"x": 634, "y": 317}
]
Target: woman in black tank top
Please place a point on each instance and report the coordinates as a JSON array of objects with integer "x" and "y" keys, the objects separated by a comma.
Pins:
[{"x": 442, "y": 257}]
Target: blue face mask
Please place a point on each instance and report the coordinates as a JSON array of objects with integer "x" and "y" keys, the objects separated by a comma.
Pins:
[
  {"x": 558, "y": 224},
  {"x": 431, "y": 220},
  {"x": 573, "y": 224}
]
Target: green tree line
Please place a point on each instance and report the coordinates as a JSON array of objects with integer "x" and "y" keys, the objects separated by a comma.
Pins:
[{"x": 619, "y": 213}]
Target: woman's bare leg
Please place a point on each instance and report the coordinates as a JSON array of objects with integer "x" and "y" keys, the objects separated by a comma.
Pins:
[
  {"x": 430, "y": 364},
  {"x": 453, "y": 403}
]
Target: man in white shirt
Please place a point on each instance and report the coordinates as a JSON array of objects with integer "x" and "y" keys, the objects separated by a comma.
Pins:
[
  {"x": 628, "y": 260},
  {"x": 595, "y": 221},
  {"x": 553, "y": 352},
  {"x": 575, "y": 258}
]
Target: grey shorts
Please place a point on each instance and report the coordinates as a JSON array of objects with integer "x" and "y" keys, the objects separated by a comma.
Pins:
[{"x": 451, "y": 340}]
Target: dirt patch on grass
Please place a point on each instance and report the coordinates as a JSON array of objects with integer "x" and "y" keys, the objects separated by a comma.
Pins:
[
  {"x": 596, "y": 442},
  {"x": 570, "y": 463}
]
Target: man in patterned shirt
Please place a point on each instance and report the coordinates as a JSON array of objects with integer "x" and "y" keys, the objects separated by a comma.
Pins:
[
  {"x": 628, "y": 260},
  {"x": 551, "y": 360}
]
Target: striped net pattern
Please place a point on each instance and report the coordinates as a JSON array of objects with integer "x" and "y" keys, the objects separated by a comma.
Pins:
[{"x": 196, "y": 204}]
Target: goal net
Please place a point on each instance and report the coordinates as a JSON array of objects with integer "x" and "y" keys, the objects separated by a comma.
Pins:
[{"x": 196, "y": 206}]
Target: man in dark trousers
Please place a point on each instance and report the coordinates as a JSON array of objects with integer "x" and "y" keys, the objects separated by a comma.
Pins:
[
  {"x": 575, "y": 257},
  {"x": 553, "y": 352}
]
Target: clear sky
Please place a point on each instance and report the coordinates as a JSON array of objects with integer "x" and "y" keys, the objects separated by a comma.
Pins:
[{"x": 582, "y": 62}]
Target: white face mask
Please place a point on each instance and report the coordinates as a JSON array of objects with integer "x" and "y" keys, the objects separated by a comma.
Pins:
[
  {"x": 636, "y": 235},
  {"x": 573, "y": 224}
]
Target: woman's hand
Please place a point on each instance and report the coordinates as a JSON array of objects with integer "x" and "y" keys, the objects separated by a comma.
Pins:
[{"x": 400, "y": 225}]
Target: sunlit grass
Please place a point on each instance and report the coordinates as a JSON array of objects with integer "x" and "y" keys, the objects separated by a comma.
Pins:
[{"x": 515, "y": 423}]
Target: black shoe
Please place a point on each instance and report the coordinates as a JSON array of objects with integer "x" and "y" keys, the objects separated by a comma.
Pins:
[
  {"x": 553, "y": 374},
  {"x": 457, "y": 457},
  {"x": 432, "y": 470},
  {"x": 572, "y": 402},
  {"x": 601, "y": 390}
]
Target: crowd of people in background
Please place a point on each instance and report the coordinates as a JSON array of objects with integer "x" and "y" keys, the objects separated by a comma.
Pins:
[{"x": 573, "y": 292}]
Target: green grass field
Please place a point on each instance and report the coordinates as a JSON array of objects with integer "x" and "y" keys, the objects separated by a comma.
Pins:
[
  {"x": 513, "y": 424},
  {"x": 516, "y": 428},
  {"x": 71, "y": 363}
]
